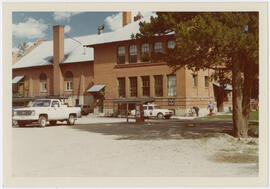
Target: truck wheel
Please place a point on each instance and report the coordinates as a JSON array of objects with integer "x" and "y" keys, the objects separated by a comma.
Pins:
[
  {"x": 53, "y": 122},
  {"x": 71, "y": 120},
  {"x": 42, "y": 121},
  {"x": 160, "y": 116},
  {"x": 21, "y": 123}
]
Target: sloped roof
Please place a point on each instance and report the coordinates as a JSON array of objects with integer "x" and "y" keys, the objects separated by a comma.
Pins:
[{"x": 74, "y": 51}]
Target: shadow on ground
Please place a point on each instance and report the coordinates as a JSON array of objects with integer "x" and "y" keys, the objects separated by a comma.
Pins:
[{"x": 172, "y": 129}]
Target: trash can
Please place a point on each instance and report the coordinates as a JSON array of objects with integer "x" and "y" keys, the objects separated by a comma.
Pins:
[{"x": 139, "y": 114}]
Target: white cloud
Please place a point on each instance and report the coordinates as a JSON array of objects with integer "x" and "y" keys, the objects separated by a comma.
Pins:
[
  {"x": 64, "y": 16},
  {"x": 67, "y": 29},
  {"x": 114, "y": 22},
  {"x": 30, "y": 29}
]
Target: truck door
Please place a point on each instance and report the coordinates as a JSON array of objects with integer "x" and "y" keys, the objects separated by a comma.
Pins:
[
  {"x": 150, "y": 111},
  {"x": 56, "y": 113}
]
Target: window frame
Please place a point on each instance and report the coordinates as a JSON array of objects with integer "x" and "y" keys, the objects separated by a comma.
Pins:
[
  {"x": 133, "y": 90},
  {"x": 158, "y": 86},
  {"x": 168, "y": 44},
  {"x": 124, "y": 87},
  {"x": 145, "y": 88},
  {"x": 171, "y": 88},
  {"x": 133, "y": 58},
  {"x": 206, "y": 81},
  {"x": 142, "y": 51},
  {"x": 195, "y": 80},
  {"x": 160, "y": 49},
  {"x": 121, "y": 58}
]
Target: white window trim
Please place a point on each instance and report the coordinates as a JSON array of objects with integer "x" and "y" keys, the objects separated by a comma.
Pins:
[
  {"x": 42, "y": 89},
  {"x": 66, "y": 85}
]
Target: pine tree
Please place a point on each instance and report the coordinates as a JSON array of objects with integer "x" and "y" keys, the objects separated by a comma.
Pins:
[{"x": 226, "y": 42}]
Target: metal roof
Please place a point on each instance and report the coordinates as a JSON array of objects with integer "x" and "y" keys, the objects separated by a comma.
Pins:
[
  {"x": 95, "y": 88},
  {"x": 133, "y": 100},
  {"x": 17, "y": 79},
  {"x": 228, "y": 87}
]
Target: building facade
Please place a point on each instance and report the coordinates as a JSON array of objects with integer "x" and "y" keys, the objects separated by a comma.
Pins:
[{"x": 109, "y": 67}]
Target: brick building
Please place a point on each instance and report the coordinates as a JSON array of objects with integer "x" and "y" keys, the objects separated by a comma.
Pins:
[{"x": 100, "y": 70}]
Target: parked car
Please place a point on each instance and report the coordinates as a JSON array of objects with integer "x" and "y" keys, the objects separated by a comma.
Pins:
[
  {"x": 43, "y": 110},
  {"x": 153, "y": 110},
  {"x": 85, "y": 109}
]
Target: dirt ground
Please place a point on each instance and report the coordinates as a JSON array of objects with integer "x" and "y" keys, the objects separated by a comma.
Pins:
[{"x": 156, "y": 148}]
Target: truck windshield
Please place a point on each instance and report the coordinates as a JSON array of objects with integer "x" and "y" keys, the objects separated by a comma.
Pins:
[{"x": 41, "y": 103}]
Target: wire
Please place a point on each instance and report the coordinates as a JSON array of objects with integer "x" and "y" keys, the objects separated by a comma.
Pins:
[{"x": 73, "y": 39}]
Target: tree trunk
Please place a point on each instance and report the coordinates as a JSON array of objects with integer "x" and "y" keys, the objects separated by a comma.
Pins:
[
  {"x": 240, "y": 128},
  {"x": 220, "y": 100}
]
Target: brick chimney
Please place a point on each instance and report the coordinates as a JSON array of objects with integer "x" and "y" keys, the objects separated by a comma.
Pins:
[
  {"x": 126, "y": 17},
  {"x": 58, "y": 55}
]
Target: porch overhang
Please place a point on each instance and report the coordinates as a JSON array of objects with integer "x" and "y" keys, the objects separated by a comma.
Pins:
[
  {"x": 95, "y": 88},
  {"x": 17, "y": 79},
  {"x": 227, "y": 86}
]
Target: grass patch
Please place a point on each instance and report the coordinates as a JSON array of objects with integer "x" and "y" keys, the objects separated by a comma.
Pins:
[{"x": 252, "y": 116}]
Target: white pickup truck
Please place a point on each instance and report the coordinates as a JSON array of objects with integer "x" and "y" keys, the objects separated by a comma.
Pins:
[
  {"x": 43, "y": 110},
  {"x": 153, "y": 110}
]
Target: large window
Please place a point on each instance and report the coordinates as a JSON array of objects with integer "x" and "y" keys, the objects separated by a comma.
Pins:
[
  {"x": 121, "y": 87},
  {"x": 145, "y": 55},
  {"x": 206, "y": 81},
  {"x": 133, "y": 86},
  {"x": 121, "y": 54},
  {"x": 145, "y": 85},
  {"x": 43, "y": 82},
  {"x": 171, "y": 85},
  {"x": 68, "y": 81},
  {"x": 132, "y": 54},
  {"x": 194, "y": 80},
  {"x": 158, "y": 85},
  {"x": 171, "y": 44},
  {"x": 157, "y": 47}
]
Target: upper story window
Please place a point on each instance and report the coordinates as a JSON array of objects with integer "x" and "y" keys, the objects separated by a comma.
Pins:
[
  {"x": 121, "y": 54},
  {"x": 145, "y": 55},
  {"x": 132, "y": 54},
  {"x": 158, "y": 47},
  {"x": 68, "y": 81},
  {"x": 206, "y": 81},
  {"x": 171, "y": 44},
  {"x": 121, "y": 87},
  {"x": 172, "y": 85},
  {"x": 43, "y": 82}
]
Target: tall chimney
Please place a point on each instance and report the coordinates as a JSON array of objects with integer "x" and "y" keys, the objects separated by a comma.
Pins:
[
  {"x": 126, "y": 17},
  {"x": 58, "y": 55}
]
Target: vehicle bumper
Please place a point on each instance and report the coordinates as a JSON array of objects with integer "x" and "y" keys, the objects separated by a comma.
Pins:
[{"x": 24, "y": 118}]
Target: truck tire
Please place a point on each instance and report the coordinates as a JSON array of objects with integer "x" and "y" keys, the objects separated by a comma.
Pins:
[
  {"x": 71, "y": 120},
  {"x": 53, "y": 122},
  {"x": 21, "y": 123},
  {"x": 160, "y": 116},
  {"x": 42, "y": 121}
]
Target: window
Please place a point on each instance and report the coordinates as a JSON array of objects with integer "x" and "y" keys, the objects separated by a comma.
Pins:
[
  {"x": 158, "y": 85},
  {"x": 133, "y": 54},
  {"x": 121, "y": 53},
  {"x": 43, "y": 82},
  {"x": 133, "y": 86},
  {"x": 145, "y": 55},
  {"x": 194, "y": 80},
  {"x": 206, "y": 81},
  {"x": 145, "y": 85},
  {"x": 171, "y": 85},
  {"x": 121, "y": 87},
  {"x": 158, "y": 47},
  {"x": 68, "y": 81},
  {"x": 171, "y": 44},
  {"x": 55, "y": 103}
]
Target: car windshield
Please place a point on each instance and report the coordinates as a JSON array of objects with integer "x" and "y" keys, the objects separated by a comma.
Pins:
[{"x": 41, "y": 103}]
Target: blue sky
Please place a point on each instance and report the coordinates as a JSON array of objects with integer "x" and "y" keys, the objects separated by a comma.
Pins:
[{"x": 32, "y": 26}]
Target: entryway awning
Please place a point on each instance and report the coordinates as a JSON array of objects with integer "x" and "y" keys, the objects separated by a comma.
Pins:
[
  {"x": 228, "y": 87},
  {"x": 17, "y": 79},
  {"x": 95, "y": 88}
]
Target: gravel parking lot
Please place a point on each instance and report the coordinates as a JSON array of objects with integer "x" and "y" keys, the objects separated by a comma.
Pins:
[{"x": 97, "y": 147}]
